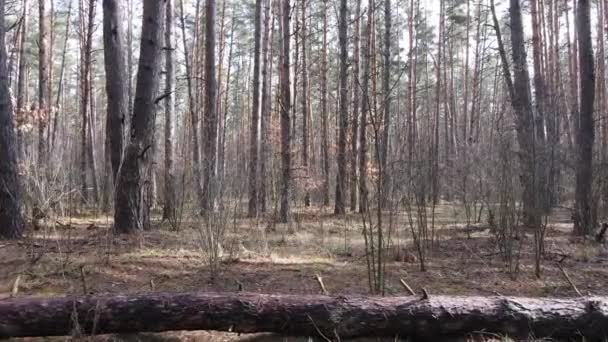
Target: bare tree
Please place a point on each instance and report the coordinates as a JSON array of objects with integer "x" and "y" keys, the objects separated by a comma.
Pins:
[
  {"x": 386, "y": 88},
  {"x": 324, "y": 114},
  {"x": 366, "y": 107},
  {"x": 343, "y": 114},
  {"x": 194, "y": 118},
  {"x": 354, "y": 167},
  {"x": 305, "y": 104},
  {"x": 22, "y": 81},
  {"x": 285, "y": 108},
  {"x": 266, "y": 102},
  {"x": 43, "y": 78},
  {"x": 255, "y": 114},
  {"x": 116, "y": 78},
  {"x": 520, "y": 96},
  {"x": 585, "y": 137},
  {"x": 210, "y": 122},
  {"x": 11, "y": 221},
  {"x": 169, "y": 189},
  {"x": 131, "y": 211}
]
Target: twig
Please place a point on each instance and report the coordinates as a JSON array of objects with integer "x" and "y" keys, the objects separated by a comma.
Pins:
[
  {"x": 561, "y": 268},
  {"x": 152, "y": 285},
  {"x": 317, "y": 329},
  {"x": 425, "y": 294},
  {"x": 320, "y": 281},
  {"x": 407, "y": 287},
  {"x": 15, "y": 288},
  {"x": 83, "y": 279}
]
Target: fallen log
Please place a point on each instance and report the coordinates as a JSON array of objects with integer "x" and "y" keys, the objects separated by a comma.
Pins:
[{"x": 324, "y": 316}]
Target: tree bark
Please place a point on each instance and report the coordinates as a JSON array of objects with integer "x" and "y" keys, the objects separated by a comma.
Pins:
[
  {"x": 43, "y": 79},
  {"x": 116, "y": 79},
  {"x": 354, "y": 185},
  {"x": 586, "y": 131},
  {"x": 62, "y": 77},
  {"x": 324, "y": 114},
  {"x": 169, "y": 188},
  {"x": 196, "y": 155},
  {"x": 131, "y": 211},
  {"x": 266, "y": 106},
  {"x": 11, "y": 221},
  {"x": 343, "y": 114},
  {"x": 520, "y": 96},
  {"x": 305, "y": 105},
  {"x": 365, "y": 111},
  {"x": 541, "y": 97},
  {"x": 22, "y": 83},
  {"x": 255, "y": 115},
  {"x": 386, "y": 122},
  {"x": 85, "y": 89},
  {"x": 306, "y": 315},
  {"x": 285, "y": 108},
  {"x": 210, "y": 122}
]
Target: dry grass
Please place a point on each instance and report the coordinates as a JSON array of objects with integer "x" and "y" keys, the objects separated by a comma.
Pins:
[{"x": 49, "y": 262}]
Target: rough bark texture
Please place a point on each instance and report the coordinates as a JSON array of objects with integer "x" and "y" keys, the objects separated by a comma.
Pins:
[
  {"x": 131, "y": 211},
  {"x": 524, "y": 116},
  {"x": 255, "y": 115},
  {"x": 266, "y": 105},
  {"x": 354, "y": 186},
  {"x": 22, "y": 80},
  {"x": 386, "y": 88},
  {"x": 194, "y": 121},
  {"x": 210, "y": 122},
  {"x": 343, "y": 114},
  {"x": 305, "y": 105},
  {"x": 116, "y": 77},
  {"x": 324, "y": 114},
  {"x": 170, "y": 195},
  {"x": 540, "y": 100},
  {"x": 11, "y": 222},
  {"x": 330, "y": 317},
  {"x": 586, "y": 132},
  {"x": 43, "y": 77},
  {"x": 85, "y": 90},
  {"x": 365, "y": 113},
  {"x": 285, "y": 107}
]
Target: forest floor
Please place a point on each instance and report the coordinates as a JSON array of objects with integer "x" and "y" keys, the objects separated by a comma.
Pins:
[{"x": 76, "y": 255}]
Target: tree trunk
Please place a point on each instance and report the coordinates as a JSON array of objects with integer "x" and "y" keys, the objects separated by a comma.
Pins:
[
  {"x": 210, "y": 123},
  {"x": 21, "y": 83},
  {"x": 305, "y": 107},
  {"x": 85, "y": 89},
  {"x": 285, "y": 105},
  {"x": 130, "y": 211},
  {"x": 266, "y": 102},
  {"x": 386, "y": 122},
  {"x": 116, "y": 78},
  {"x": 43, "y": 79},
  {"x": 255, "y": 115},
  {"x": 91, "y": 131},
  {"x": 196, "y": 155},
  {"x": 585, "y": 221},
  {"x": 169, "y": 188},
  {"x": 541, "y": 97},
  {"x": 11, "y": 221},
  {"x": 365, "y": 111},
  {"x": 412, "y": 317},
  {"x": 222, "y": 129},
  {"x": 354, "y": 184},
  {"x": 324, "y": 114},
  {"x": 343, "y": 113},
  {"x": 519, "y": 90},
  {"x": 62, "y": 68}
]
